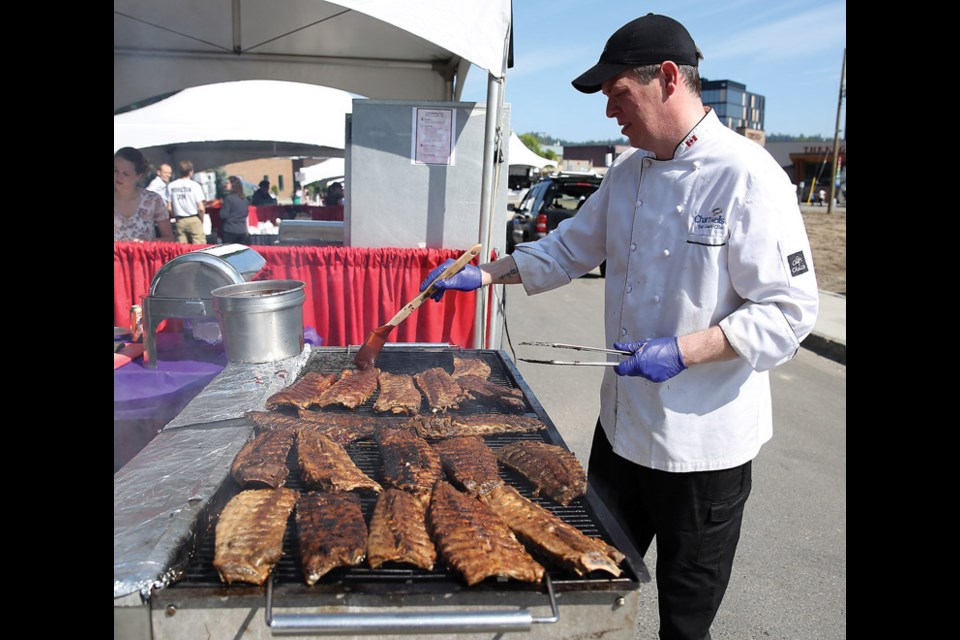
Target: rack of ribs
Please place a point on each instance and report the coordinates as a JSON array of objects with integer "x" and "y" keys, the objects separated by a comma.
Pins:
[
  {"x": 475, "y": 541},
  {"x": 398, "y": 394},
  {"x": 484, "y": 424},
  {"x": 440, "y": 389},
  {"x": 352, "y": 389},
  {"x": 264, "y": 459},
  {"x": 485, "y": 390},
  {"x": 249, "y": 534},
  {"x": 342, "y": 428},
  {"x": 409, "y": 462},
  {"x": 551, "y": 469},
  {"x": 326, "y": 465},
  {"x": 470, "y": 463},
  {"x": 331, "y": 533},
  {"x": 303, "y": 392},
  {"x": 470, "y": 366},
  {"x": 398, "y": 532},
  {"x": 540, "y": 529}
]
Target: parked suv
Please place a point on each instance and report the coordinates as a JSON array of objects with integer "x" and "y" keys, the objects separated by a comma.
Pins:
[{"x": 549, "y": 202}]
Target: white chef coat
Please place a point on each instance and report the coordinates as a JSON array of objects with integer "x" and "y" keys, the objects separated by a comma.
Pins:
[
  {"x": 713, "y": 236},
  {"x": 157, "y": 185}
]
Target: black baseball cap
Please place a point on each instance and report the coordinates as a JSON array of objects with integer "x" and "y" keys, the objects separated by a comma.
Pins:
[{"x": 647, "y": 40}]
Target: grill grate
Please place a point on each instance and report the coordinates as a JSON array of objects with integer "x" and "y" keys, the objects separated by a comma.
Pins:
[{"x": 200, "y": 572}]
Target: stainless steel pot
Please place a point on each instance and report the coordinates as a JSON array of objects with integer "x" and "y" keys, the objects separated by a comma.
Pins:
[{"x": 261, "y": 321}]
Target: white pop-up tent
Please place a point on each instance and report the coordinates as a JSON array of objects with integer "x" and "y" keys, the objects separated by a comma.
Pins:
[
  {"x": 228, "y": 122},
  {"x": 521, "y": 155},
  {"x": 329, "y": 169},
  {"x": 381, "y": 49}
]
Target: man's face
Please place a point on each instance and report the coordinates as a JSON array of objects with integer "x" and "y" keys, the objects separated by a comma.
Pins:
[
  {"x": 165, "y": 172},
  {"x": 635, "y": 106}
]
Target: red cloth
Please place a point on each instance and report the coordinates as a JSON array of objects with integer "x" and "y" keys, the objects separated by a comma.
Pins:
[{"x": 350, "y": 291}]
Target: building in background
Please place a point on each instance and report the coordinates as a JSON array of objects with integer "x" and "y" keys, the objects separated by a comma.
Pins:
[{"x": 736, "y": 107}]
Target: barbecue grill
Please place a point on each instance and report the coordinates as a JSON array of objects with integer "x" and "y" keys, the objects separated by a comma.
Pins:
[{"x": 185, "y": 598}]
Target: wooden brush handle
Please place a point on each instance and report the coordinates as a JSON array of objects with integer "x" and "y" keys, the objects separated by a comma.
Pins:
[{"x": 411, "y": 306}]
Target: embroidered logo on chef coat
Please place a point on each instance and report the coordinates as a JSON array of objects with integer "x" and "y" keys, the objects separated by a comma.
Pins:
[
  {"x": 798, "y": 263},
  {"x": 708, "y": 228}
]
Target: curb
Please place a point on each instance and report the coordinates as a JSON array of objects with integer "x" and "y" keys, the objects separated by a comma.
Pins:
[{"x": 836, "y": 351}]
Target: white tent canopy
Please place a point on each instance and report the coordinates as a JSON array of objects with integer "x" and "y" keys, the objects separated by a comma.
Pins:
[
  {"x": 218, "y": 124},
  {"x": 381, "y": 49},
  {"x": 326, "y": 170},
  {"x": 520, "y": 155}
]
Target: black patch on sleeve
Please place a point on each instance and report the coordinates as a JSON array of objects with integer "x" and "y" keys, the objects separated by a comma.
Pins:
[{"x": 798, "y": 264}]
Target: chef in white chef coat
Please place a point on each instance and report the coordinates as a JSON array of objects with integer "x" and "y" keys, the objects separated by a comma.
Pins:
[{"x": 709, "y": 285}]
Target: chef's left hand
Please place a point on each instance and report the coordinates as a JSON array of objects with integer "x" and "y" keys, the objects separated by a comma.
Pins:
[{"x": 657, "y": 360}]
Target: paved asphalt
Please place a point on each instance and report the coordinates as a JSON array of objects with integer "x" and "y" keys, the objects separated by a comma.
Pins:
[{"x": 789, "y": 577}]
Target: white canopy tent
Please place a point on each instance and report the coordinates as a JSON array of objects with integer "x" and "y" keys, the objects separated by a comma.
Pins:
[
  {"x": 329, "y": 169},
  {"x": 228, "y": 122},
  {"x": 380, "y": 49},
  {"x": 521, "y": 155}
]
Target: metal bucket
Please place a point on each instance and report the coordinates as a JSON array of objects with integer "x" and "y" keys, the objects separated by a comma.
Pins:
[{"x": 261, "y": 321}]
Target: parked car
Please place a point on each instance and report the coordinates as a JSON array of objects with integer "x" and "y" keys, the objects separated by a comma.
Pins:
[{"x": 549, "y": 202}]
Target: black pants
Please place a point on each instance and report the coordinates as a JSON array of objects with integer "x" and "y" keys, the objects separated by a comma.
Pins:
[
  {"x": 696, "y": 519},
  {"x": 229, "y": 238}
]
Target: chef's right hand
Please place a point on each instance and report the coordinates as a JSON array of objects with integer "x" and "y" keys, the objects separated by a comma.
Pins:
[{"x": 467, "y": 279}]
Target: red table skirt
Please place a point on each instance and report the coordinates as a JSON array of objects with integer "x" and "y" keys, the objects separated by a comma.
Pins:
[{"x": 349, "y": 290}]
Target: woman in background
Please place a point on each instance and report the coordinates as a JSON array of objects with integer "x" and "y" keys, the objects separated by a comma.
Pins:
[
  {"x": 138, "y": 214},
  {"x": 233, "y": 213}
]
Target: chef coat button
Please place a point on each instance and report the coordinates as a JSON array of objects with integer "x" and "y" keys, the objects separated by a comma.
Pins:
[
  {"x": 623, "y": 332},
  {"x": 639, "y": 203},
  {"x": 679, "y": 209},
  {"x": 646, "y": 162},
  {"x": 666, "y": 252},
  {"x": 629, "y": 288},
  {"x": 697, "y": 164},
  {"x": 633, "y": 247},
  {"x": 656, "y": 298}
]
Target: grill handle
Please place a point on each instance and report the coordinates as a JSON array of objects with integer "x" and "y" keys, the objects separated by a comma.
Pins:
[{"x": 413, "y": 622}]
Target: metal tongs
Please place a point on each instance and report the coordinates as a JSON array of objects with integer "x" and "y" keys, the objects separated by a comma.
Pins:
[{"x": 578, "y": 347}]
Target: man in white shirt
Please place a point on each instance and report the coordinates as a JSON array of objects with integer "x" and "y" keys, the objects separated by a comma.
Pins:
[
  {"x": 186, "y": 204},
  {"x": 160, "y": 181},
  {"x": 710, "y": 284}
]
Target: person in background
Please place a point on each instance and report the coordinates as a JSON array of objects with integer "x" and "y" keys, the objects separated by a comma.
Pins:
[
  {"x": 334, "y": 194},
  {"x": 138, "y": 214},
  {"x": 186, "y": 204},
  {"x": 160, "y": 181},
  {"x": 262, "y": 195},
  {"x": 233, "y": 213},
  {"x": 297, "y": 194},
  {"x": 709, "y": 285}
]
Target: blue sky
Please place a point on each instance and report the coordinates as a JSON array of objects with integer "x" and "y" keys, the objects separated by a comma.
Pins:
[{"x": 790, "y": 52}]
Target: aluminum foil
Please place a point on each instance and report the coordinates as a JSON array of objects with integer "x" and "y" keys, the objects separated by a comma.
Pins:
[
  {"x": 158, "y": 498},
  {"x": 240, "y": 388}
]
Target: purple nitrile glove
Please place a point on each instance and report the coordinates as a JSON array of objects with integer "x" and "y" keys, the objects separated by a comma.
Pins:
[
  {"x": 657, "y": 360},
  {"x": 467, "y": 279}
]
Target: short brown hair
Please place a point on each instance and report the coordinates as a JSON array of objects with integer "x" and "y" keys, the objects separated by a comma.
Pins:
[{"x": 186, "y": 168}]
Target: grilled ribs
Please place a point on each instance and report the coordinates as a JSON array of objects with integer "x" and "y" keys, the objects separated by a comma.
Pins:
[
  {"x": 331, "y": 533},
  {"x": 303, "y": 392},
  {"x": 448, "y": 426},
  {"x": 398, "y": 394},
  {"x": 474, "y": 541},
  {"x": 470, "y": 366},
  {"x": 249, "y": 534},
  {"x": 342, "y": 428},
  {"x": 440, "y": 389},
  {"x": 352, "y": 389},
  {"x": 398, "y": 532},
  {"x": 485, "y": 390},
  {"x": 409, "y": 462},
  {"x": 538, "y": 528},
  {"x": 552, "y": 469},
  {"x": 326, "y": 465},
  {"x": 264, "y": 459},
  {"x": 470, "y": 463}
]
